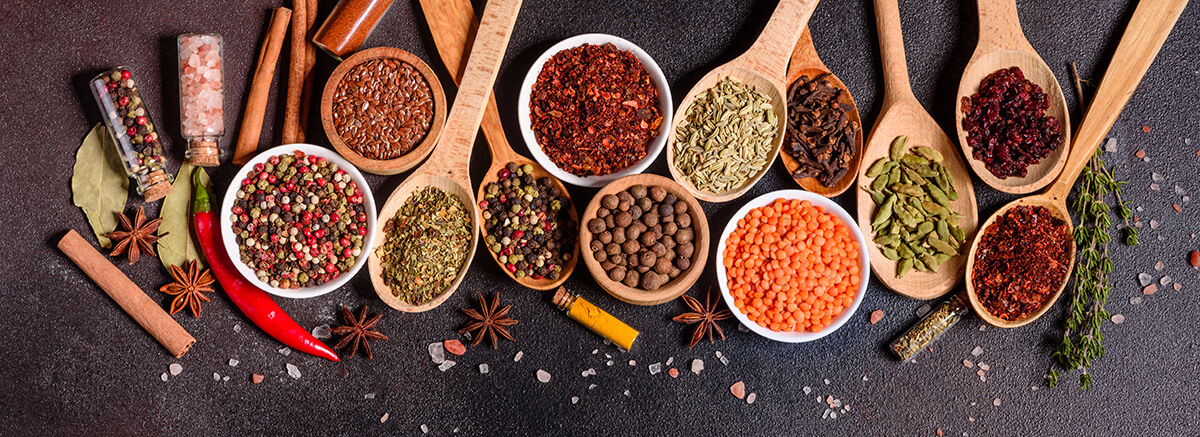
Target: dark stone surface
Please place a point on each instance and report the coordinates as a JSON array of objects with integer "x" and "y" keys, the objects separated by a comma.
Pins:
[{"x": 75, "y": 364}]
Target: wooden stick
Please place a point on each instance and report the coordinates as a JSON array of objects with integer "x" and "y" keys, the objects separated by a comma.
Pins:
[
  {"x": 260, "y": 86},
  {"x": 298, "y": 57},
  {"x": 310, "y": 61},
  {"x": 132, "y": 299}
]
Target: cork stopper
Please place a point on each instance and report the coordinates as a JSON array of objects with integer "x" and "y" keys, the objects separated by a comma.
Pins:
[
  {"x": 562, "y": 298},
  {"x": 157, "y": 186},
  {"x": 204, "y": 153}
]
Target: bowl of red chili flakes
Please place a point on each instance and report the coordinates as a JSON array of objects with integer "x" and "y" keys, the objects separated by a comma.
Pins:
[{"x": 595, "y": 108}]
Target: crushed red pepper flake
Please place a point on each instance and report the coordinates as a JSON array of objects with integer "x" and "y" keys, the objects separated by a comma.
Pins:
[
  {"x": 594, "y": 109},
  {"x": 1021, "y": 261}
]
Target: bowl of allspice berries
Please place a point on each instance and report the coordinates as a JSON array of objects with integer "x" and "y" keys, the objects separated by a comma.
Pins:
[{"x": 644, "y": 239}]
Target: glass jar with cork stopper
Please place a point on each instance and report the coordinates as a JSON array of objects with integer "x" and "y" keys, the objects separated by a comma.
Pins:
[
  {"x": 135, "y": 134},
  {"x": 201, "y": 97}
]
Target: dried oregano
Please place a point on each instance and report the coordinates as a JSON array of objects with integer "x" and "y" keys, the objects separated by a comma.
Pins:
[{"x": 426, "y": 245}]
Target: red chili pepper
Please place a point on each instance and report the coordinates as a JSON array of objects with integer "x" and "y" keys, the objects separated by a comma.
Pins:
[{"x": 254, "y": 303}]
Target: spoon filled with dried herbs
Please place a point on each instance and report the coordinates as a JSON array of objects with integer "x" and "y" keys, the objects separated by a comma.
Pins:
[
  {"x": 1014, "y": 134},
  {"x": 1148, "y": 28},
  {"x": 824, "y": 142},
  {"x": 731, "y": 125},
  {"x": 530, "y": 229},
  {"x": 435, "y": 206},
  {"x": 914, "y": 189}
]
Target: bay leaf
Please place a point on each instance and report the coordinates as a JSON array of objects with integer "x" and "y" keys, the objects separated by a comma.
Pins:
[
  {"x": 99, "y": 184},
  {"x": 177, "y": 244}
]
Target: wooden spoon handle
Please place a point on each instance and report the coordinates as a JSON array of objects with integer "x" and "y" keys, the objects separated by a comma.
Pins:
[
  {"x": 1144, "y": 36},
  {"x": 804, "y": 56},
  {"x": 453, "y": 25},
  {"x": 1000, "y": 27},
  {"x": 769, "y": 54},
  {"x": 453, "y": 154},
  {"x": 891, "y": 52}
]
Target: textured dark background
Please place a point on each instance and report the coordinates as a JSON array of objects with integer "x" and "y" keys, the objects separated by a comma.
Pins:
[{"x": 73, "y": 363}]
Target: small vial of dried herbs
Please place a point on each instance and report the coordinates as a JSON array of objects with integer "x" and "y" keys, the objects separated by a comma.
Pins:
[
  {"x": 425, "y": 246},
  {"x": 528, "y": 224},
  {"x": 726, "y": 137},
  {"x": 929, "y": 328}
]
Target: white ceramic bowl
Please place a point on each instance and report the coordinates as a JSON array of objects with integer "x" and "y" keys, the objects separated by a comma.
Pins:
[
  {"x": 864, "y": 267},
  {"x": 231, "y": 246},
  {"x": 665, "y": 108}
]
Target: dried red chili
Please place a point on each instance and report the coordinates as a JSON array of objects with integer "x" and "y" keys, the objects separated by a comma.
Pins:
[
  {"x": 1021, "y": 261},
  {"x": 594, "y": 109},
  {"x": 1006, "y": 123}
]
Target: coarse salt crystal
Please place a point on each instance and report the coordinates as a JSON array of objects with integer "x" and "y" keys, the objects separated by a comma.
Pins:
[
  {"x": 985, "y": 367},
  {"x": 595, "y": 351},
  {"x": 233, "y": 362},
  {"x": 807, "y": 390},
  {"x": 1154, "y": 187},
  {"x": 826, "y": 382},
  {"x": 574, "y": 399},
  {"x": 164, "y": 376},
  {"x": 518, "y": 356},
  {"x": 1118, "y": 319},
  {"x": 384, "y": 418},
  {"x": 626, "y": 393},
  {"x": 632, "y": 362},
  {"x": 968, "y": 364},
  {"x": 1164, "y": 281},
  {"x": 446, "y": 364},
  {"x": 369, "y": 396},
  {"x": 670, "y": 360},
  {"x": 437, "y": 352},
  {"x": 609, "y": 363},
  {"x": 751, "y": 397},
  {"x": 224, "y": 378},
  {"x": 293, "y": 371},
  {"x": 483, "y": 368},
  {"x": 977, "y": 351},
  {"x": 176, "y": 369},
  {"x": 237, "y": 327},
  {"x": 697, "y": 366},
  {"x": 285, "y": 351},
  {"x": 216, "y": 376},
  {"x": 923, "y": 310},
  {"x": 543, "y": 376},
  {"x": 1150, "y": 289},
  {"x": 1145, "y": 279},
  {"x": 673, "y": 372},
  {"x": 738, "y": 389},
  {"x": 1153, "y": 224},
  {"x": 655, "y": 368},
  {"x": 996, "y": 402},
  {"x": 1159, "y": 266},
  {"x": 1177, "y": 286},
  {"x": 876, "y": 316},
  {"x": 1136, "y": 300},
  {"x": 1156, "y": 176},
  {"x": 424, "y": 429},
  {"x": 322, "y": 332}
]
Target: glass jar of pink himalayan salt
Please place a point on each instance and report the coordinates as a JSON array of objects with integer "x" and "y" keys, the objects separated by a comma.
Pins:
[{"x": 201, "y": 97}]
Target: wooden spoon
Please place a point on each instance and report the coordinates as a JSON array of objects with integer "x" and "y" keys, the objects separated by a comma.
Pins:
[
  {"x": 902, "y": 114},
  {"x": 452, "y": 23},
  {"x": 806, "y": 63},
  {"x": 763, "y": 67},
  {"x": 1149, "y": 27},
  {"x": 448, "y": 168},
  {"x": 1003, "y": 45}
]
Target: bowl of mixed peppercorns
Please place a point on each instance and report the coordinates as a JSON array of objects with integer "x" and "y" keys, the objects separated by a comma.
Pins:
[{"x": 298, "y": 220}]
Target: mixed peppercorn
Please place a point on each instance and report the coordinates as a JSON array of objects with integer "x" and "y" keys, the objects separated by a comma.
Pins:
[
  {"x": 127, "y": 111},
  {"x": 299, "y": 221},
  {"x": 528, "y": 223}
]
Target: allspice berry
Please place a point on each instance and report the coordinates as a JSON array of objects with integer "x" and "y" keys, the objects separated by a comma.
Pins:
[
  {"x": 617, "y": 274},
  {"x": 609, "y": 201},
  {"x": 623, "y": 219},
  {"x": 658, "y": 193},
  {"x": 652, "y": 281},
  {"x": 596, "y": 226},
  {"x": 642, "y": 237},
  {"x": 648, "y": 258}
]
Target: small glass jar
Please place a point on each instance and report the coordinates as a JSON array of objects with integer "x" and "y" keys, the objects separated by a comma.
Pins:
[
  {"x": 136, "y": 136},
  {"x": 929, "y": 328},
  {"x": 201, "y": 97}
]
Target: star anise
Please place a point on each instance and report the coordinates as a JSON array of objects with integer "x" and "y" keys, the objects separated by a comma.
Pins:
[
  {"x": 358, "y": 331},
  {"x": 488, "y": 321},
  {"x": 189, "y": 287},
  {"x": 705, "y": 315},
  {"x": 137, "y": 237}
]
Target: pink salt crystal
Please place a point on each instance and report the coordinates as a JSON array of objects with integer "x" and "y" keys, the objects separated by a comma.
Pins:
[
  {"x": 738, "y": 389},
  {"x": 876, "y": 316},
  {"x": 1150, "y": 289}
]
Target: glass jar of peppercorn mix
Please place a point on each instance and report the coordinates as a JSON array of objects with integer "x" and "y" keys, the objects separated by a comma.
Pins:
[
  {"x": 137, "y": 138},
  {"x": 201, "y": 97}
]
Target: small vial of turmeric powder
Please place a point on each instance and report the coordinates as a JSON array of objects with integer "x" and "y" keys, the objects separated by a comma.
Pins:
[{"x": 595, "y": 318}]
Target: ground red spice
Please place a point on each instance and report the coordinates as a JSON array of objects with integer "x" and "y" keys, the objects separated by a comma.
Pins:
[
  {"x": 1006, "y": 123},
  {"x": 1021, "y": 262},
  {"x": 594, "y": 110}
]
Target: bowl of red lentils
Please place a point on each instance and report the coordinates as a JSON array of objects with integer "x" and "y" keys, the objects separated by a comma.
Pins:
[
  {"x": 595, "y": 108},
  {"x": 298, "y": 221},
  {"x": 792, "y": 266}
]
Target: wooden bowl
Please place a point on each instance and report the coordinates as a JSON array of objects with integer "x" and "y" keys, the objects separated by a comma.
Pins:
[
  {"x": 394, "y": 202},
  {"x": 670, "y": 290},
  {"x": 409, "y": 160}
]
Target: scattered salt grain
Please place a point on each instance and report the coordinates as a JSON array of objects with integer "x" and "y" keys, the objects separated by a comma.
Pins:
[
  {"x": 655, "y": 368},
  {"x": 1179, "y": 191},
  {"x": 983, "y": 327},
  {"x": 518, "y": 356},
  {"x": 256, "y": 378},
  {"x": 1110, "y": 146},
  {"x": 670, "y": 360},
  {"x": 322, "y": 332},
  {"x": 1136, "y": 300},
  {"x": 543, "y": 376},
  {"x": 384, "y": 418},
  {"x": 285, "y": 351},
  {"x": 977, "y": 351},
  {"x": 627, "y": 393},
  {"x": 970, "y": 419},
  {"x": 1118, "y": 319},
  {"x": 1145, "y": 279},
  {"x": 589, "y": 372},
  {"x": 424, "y": 429},
  {"x": 237, "y": 327},
  {"x": 742, "y": 328},
  {"x": 826, "y": 382},
  {"x": 738, "y": 389},
  {"x": 1164, "y": 281},
  {"x": 1159, "y": 266},
  {"x": 224, "y": 378},
  {"x": 574, "y": 399},
  {"x": 1177, "y": 286},
  {"x": 996, "y": 402},
  {"x": 591, "y": 386},
  {"x": 609, "y": 363},
  {"x": 719, "y": 354},
  {"x": 216, "y": 376},
  {"x": 673, "y": 372},
  {"x": 1153, "y": 224},
  {"x": 1157, "y": 177},
  {"x": 437, "y": 352},
  {"x": 750, "y": 398},
  {"x": 595, "y": 351},
  {"x": 369, "y": 396},
  {"x": 176, "y": 369},
  {"x": 984, "y": 366},
  {"x": 697, "y": 366},
  {"x": 833, "y": 415},
  {"x": 968, "y": 364},
  {"x": 293, "y": 371},
  {"x": 454, "y": 346},
  {"x": 483, "y": 368},
  {"x": 446, "y": 365},
  {"x": 923, "y": 310},
  {"x": 826, "y": 414},
  {"x": 1150, "y": 289},
  {"x": 164, "y": 376},
  {"x": 632, "y": 362},
  {"x": 233, "y": 362},
  {"x": 1154, "y": 187},
  {"x": 807, "y": 390},
  {"x": 876, "y": 316},
  {"x": 725, "y": 360}
]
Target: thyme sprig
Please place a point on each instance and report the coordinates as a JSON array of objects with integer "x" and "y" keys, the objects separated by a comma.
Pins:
[{"x": 1081, "y": 341}]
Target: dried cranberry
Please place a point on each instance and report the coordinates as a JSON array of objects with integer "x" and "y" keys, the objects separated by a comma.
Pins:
[{"x": 1007, "y": 127}]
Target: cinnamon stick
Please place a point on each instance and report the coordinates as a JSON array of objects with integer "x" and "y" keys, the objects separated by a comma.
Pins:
[
  {"x": 260, "y": 86},
  {"x": 132, "y": 299},
  {"x": 292, "y": 131},
  {"x": 310, "y": 61}
]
